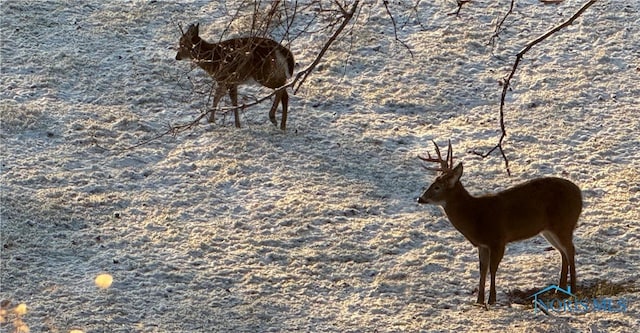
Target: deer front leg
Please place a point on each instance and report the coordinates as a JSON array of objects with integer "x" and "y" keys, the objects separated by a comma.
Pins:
[
  {"x": 496, "y": 254},
  {"x": 483, "y": 254},
  {"x": 233, "y": 93},
  {"x": 221, "y": 89}
]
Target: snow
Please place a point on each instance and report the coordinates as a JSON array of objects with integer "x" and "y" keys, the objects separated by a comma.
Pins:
[{"x": 314, "y": 229}]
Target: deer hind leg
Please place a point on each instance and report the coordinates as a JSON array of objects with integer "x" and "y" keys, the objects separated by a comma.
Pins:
[
  {"x": 285, "y": 104},
  {"x": 272, "y": 74},
  {"x": 568, "y": 266},
  {"x": 281, "y": 97},
  {"x": 496, "y": 256},
  {"x": 483, "y": 254},
  {"x": 233, "y": 94},
  {"x": 571, "y": 254},
  {"x": 221, "y": 89},
  {"x": 567, "y": 251},
  {"x": 274, "y": 107}
]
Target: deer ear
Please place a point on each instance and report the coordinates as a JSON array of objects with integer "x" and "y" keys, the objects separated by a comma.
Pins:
[
  {"x": 197, "y": 28},
  {"x": 456, "y": 173}
]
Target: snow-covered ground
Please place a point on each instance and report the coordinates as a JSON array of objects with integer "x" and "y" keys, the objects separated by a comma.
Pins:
[{"x": 315, "y": 229}]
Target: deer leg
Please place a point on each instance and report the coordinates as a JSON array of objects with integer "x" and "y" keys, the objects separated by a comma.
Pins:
[
  {"x": 571, "y": 257},
  {"x": 233, "y": 94},
  {"x": 220, "y": 91},
  {"x": 285, "y": 104},
  {"x": 483, "y": 254},
  {"x": 496, "y": 256},
  {"x": 274, "y": 107},
  {"x": 564, "y": 271},
  {"x": 568, "y": 258},
  {"x": 568, "y": 267}
]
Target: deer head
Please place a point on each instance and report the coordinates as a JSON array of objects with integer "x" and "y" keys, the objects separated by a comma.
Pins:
[
  {"x": 437, "y": 193},
  {"x": 188, "y": 41}
]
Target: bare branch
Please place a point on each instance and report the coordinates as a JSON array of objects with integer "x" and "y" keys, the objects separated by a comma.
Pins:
[
  {"x": 507, "y": 81},
  {"x": 395, "y": 31},
  {"x": 271, "y": 14},
  {"x": 342, "y": 9},
  {"x": 304, "y": 74},
  {"x": 460, "y": 4},
  {"x": 499, "y": 27},
  {"x": 558, "y": 28}
]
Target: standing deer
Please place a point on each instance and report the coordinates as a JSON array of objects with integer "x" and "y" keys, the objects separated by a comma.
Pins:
[
  {"x": 236, "y": 61},
  {"x": 548, "y": 206}
]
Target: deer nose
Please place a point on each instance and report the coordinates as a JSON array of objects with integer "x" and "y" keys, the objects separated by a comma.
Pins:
[{"x": 421, "y": 201}]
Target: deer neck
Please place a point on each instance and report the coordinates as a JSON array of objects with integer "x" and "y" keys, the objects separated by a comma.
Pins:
[
  {"x": 207, "y": 54},
  {"x": 460, "y": 207}
]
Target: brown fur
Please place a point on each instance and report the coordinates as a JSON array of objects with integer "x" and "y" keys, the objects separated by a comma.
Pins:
[
  {"x": 235, "y": 61},
  {"x": 550, "y": 206}
]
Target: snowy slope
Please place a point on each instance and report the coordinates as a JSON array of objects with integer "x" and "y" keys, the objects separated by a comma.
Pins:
[{"x": 315, "y": 229}]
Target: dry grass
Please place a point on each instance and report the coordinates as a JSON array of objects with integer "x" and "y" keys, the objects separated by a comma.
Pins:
[{"x": 590, "y": 289}]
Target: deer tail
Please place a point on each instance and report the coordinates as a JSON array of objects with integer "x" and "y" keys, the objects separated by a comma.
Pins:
[{"x": 287, "y": 56}]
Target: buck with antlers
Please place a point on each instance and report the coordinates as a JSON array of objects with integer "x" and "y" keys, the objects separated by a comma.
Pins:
[
  {"x": 548, "y": 206},
  {"x": 236, "y": 61}
]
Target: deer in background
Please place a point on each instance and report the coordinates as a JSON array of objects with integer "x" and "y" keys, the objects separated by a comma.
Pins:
[
  {"x": 549, "y": 206},
  {"x": 235, "y": 61}
]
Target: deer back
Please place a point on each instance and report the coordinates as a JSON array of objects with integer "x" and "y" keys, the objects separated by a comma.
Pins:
[
  {"x": 517, "y": 213},
  {"x": 237, "y": 60},
  {"x": 540, "y": 204}
]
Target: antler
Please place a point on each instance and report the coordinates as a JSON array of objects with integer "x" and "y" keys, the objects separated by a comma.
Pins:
[{"x": 445, "y": 165}]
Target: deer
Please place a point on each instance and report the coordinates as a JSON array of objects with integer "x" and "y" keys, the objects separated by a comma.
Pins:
[
  {"x": 549, "y": 206},
  {"x": 237, "y": 61}
]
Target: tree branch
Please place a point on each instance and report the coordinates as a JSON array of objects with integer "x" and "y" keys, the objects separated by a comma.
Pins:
[
  {"x": 395, "y": 31},
  {"x": 499, "y": 28},
  {"x": 460, "y": 4},
  {"x": 347, "y": 17},
  {"x": 507, "y": 81}
]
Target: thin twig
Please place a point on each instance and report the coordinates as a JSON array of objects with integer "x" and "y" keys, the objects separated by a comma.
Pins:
[
  {"x": 395, "y": 31},
  {"x": 415, "y": 10},
  {"x": 499, "y": 27},
  {"x": 507, "y": 81},
  {"x": 270, "y": 15},
  {"x": 347, "y": 17},
  {"x": 460, "y": 4},
  {"x": 290, "y": 18},
  {"x": 172, "y": 130}
]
